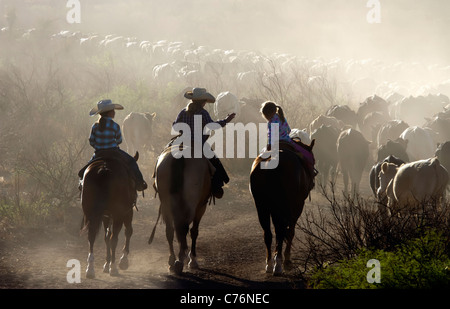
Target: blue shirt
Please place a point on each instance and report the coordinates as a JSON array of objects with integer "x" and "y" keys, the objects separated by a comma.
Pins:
[
  {"x": 283, "y": 129},
  {"x": 110, "y": 137}
]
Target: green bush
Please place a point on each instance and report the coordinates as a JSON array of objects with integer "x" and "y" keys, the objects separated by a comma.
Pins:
[
  {"x": 421, "y": 263},
  {"x": 34, "y": 213}
]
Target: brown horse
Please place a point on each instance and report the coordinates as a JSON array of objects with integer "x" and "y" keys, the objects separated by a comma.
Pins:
[
  {"x": 108, "y": 196},
  {"x": 279, "y": 193},
  {"x": 183, "y": 186}
]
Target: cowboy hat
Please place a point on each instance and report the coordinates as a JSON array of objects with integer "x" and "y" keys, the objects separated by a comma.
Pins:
[
  {"x": 199, "y": 94},
  {"x": 104, "y": 106}
]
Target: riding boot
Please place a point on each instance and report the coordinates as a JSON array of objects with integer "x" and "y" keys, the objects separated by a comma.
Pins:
[
  {"x": 139, "y": 181},
  {"x": 141, "y": 185},
  {"x": 220, "y": 169},
  {"x": 219, "y": 178},
  {"x": 216, "y": 185}
]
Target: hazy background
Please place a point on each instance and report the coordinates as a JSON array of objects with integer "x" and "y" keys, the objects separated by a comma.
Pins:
[{"x": 410, "y": 30}]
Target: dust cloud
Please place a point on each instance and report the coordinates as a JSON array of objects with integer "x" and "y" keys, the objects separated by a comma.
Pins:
[{"x": 408, "y": 30}]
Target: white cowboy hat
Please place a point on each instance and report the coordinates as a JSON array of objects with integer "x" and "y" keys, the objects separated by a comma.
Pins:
[
  {"x": 200, "y": 94},
  {"x": 104, "y": 106}
]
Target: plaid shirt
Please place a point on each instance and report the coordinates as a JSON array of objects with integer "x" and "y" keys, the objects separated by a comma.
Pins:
[
  {"x": 111, "y": 136},
  {"x": 184, "y": 117}
]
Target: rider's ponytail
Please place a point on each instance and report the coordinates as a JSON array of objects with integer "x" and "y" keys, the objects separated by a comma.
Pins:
[{"x": 281, "y": 113}]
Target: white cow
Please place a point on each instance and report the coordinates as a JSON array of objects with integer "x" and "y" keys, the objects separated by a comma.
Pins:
[
  {"x": 164, "y": 73},
  {"x": 412, "y": 183},
  {"x": 226, "y": 103},
  {"x": 420, "y": 143},
  {"x": 303, "y": 135}
]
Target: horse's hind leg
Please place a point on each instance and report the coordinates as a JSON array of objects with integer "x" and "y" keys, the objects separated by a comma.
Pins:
[
  {"x": 287, "y": 251},
  {"x": 264, "y": 220},
  {"x": 194, "y": 234},
  {"x": 193, "y": 254},
  {"x": 181, "y": 230},
  {"x": 116, "y": 227},
  {"x": 280, "y": 231},
  {"x": 90, "y": 272},
  {"x": 169, "y": 237},
  {"x": 107, "y": 231},
  {"x": 123, "y": 264}
]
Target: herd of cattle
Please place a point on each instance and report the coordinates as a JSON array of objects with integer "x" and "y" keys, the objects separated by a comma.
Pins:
[
  {"x": 238, "y": 71},
  {"x": 411, "y": 161},
  {"x": 411, "y": 152},
  {"x": 402, "y": 119}
]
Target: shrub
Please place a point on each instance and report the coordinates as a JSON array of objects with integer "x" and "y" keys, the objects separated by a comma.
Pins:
[
  {"x": 422, "y": 263},
  {"x": 350, "y": 231}
]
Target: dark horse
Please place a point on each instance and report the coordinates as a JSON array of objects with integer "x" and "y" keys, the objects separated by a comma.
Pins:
[
  {"x": 108, "y": 196},
  {"x": 280, "y": 194}
]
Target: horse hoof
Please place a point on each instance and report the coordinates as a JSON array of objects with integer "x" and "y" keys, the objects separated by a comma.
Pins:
[
  {"x": 277, "y": 270},
  {"x": 193, "y": 264},
  {"x": 269, "y": 265},
  {"x": 90, "y": 273},
  {"x": 177, "y": 268},
  {"x": 277, "y": 267},
  {"x": 106, "y": 268},
  {"x": 113, "y": 271},
  {"x": 123, "y": 264}
]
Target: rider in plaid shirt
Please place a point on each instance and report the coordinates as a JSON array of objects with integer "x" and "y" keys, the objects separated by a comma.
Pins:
[
  {"x": 199, "y": 98},
  {"x": 110, "y": 137},
  {"x": 106, "y": 136}
]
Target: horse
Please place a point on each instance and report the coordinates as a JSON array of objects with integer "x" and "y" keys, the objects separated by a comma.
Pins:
[
  {"x": 184, "y": 187},
  {"x": 279, "y": 193},
  {"x": 107, "y": 196}
]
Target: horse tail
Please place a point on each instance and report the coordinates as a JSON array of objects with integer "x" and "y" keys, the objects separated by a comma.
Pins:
[
  {"x": 150, "y": 240},
  {"x": 93, "y": 219},
  {"x": 176, "y": 175}
]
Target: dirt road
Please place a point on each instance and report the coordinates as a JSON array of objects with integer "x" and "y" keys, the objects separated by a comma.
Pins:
[{"x": 231, "y": 251}]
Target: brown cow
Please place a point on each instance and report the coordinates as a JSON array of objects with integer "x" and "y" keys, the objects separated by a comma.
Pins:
[
  {"x": 353, "y": 152},
  {"x": 137, "y": 131}
]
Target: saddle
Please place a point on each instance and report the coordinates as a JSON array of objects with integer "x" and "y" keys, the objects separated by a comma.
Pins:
[
  {"x": 214, "y": 164},
  {"x": 105, "y": 155},
  {"x": 286, "y": 146}
]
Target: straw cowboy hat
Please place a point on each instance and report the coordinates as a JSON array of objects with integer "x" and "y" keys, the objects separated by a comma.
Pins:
[
  {"x": 104, "y": 106},
  {"x": 200, "y": 94}
]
